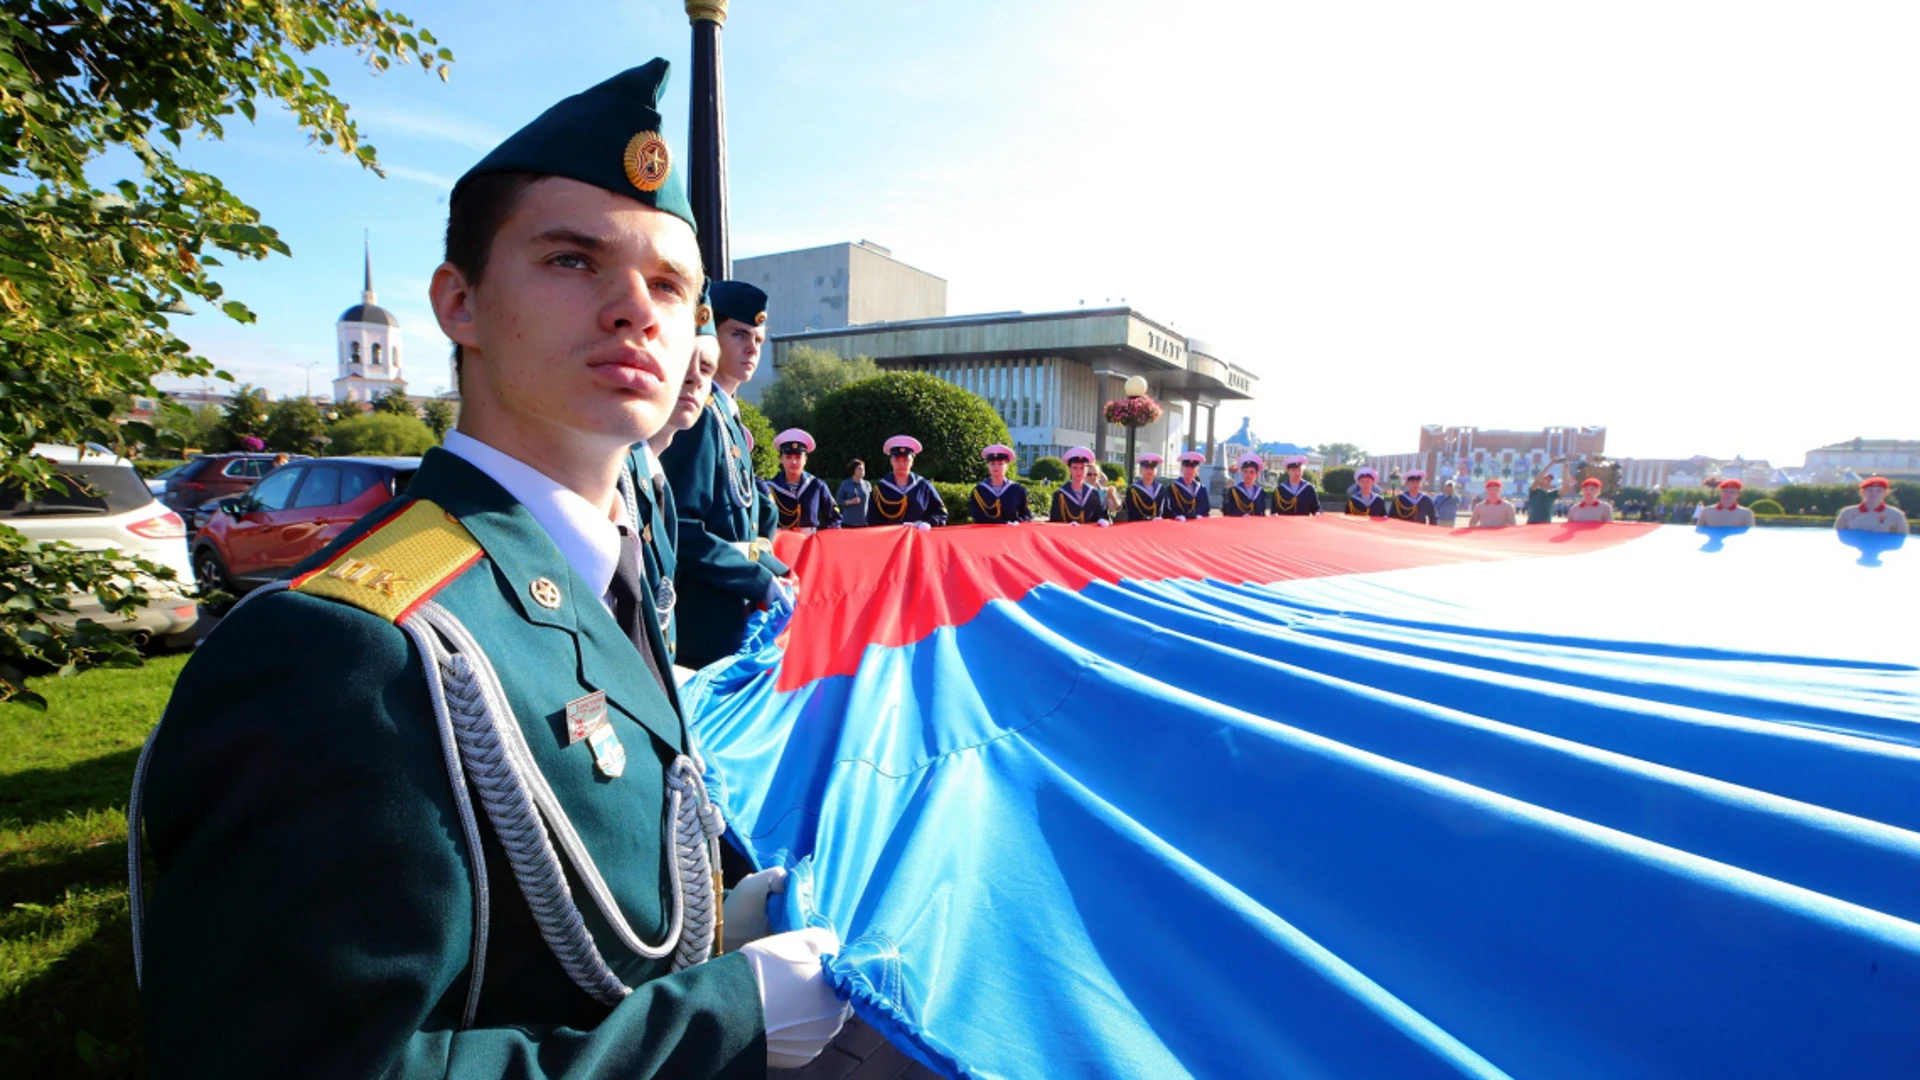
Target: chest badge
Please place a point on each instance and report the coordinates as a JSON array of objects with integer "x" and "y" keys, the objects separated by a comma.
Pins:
[{"x": 608, "y": 755}]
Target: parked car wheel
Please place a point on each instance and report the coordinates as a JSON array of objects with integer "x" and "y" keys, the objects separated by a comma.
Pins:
[{"x": 210, "y": 576}]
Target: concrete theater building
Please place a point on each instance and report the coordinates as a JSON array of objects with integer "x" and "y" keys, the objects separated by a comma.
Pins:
[{"x": 1048, "y": 374}]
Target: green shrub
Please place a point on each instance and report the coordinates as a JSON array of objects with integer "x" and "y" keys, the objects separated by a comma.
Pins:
[
  {"x": 952, "y": 425},
  {"x": 380, "y": 434},
  {"x": 1766, "y": 506},
  {"x": 1333, "y": 484},
  {"x": 1048, "y": 468},
  {"x": 1113, "y": 471},
  {"x": 766, "y": 456}
]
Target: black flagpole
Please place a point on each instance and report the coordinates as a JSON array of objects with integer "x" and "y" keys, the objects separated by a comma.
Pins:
[{"x": 707, "y": 136}]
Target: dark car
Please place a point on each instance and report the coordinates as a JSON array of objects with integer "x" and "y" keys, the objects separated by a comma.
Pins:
[
  {"x": 291, "y": 513},
  {"x": 213, "y": 476}
]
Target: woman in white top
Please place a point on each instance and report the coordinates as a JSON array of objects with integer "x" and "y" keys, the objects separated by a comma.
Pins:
[{"x": 1492, "y": 512}]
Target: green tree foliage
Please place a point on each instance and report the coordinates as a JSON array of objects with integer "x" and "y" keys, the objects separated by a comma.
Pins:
[
  {"x": 1766, "y": 506},
  {"x": 381, "y": 434},
  {"x": 1114, "y": 472},
  {"x": 397, "y": 403},
  {"x": 807, "y": 375},
  {"x": 104, "y": 234},
  {"x": 194, "y": 428},
  {"x": 952, "y": 424},
  {"x": 1048, "y": 468},
  {"x": 439, "y": 415},
  {"x": 245, "y": 414},
  {"x": 1334, "y": 482},
  {"x": 293, "y": 424},
  {"x": 766, "y": 457},
  {"x": 1342, "y": 453}
]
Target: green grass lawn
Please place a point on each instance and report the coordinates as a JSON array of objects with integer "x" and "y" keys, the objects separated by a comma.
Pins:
[{"x": 67, "y": 1000}]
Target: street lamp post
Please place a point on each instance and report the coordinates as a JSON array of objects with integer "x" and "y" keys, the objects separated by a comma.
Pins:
[
  {"x": 707, "y": 137},
  {"x": 1134, "y": 387}
]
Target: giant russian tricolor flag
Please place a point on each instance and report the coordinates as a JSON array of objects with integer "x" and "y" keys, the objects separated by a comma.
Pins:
[{"x": 1327, "y": 797}]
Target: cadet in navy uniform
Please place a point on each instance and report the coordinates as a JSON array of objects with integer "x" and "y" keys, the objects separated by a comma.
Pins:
[
  {"x": 1412, "y": 504},
  {"x": 1294, "y": 497},
  {"x": 1077, "y": 502},
  {"x": 998, "y": 500},
  {"x": 801, "y": 497},
  {"x": 1187, "y": 495},
  {"x": 1363, "y": 501},
  {"x": 726, "y": 567},
  {"x": 348, "y": 883},
  {"x": 1147, "y": 497},
  {"x": 1246, "y": 498},
  {"x": 901, "y": 497}
]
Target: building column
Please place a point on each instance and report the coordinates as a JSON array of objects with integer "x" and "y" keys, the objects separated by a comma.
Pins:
[
  {"x": 1212, "y": 411},
  {"x": 1193, "y": 419}
]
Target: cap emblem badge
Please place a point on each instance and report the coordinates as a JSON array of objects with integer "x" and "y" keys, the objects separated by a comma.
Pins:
[
  {"x": 760, "y": 319},
  {"x": 648, "y": 161},
  {"x": 702, "y": 315}
]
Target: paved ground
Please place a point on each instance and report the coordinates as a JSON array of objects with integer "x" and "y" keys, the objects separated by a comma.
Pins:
[{"x": 858, "y": 1054}]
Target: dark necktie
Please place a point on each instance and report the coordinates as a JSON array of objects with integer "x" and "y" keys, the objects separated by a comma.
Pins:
[{"x": 629, "y": 586}]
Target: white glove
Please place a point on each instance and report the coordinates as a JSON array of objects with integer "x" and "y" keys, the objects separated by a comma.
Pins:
[
  {"x": 1103, "y": 523},
  {"x": 745, "y": 909},
  {"x": 1013, "y": 523},
  {"x": 922, "y": 526},
  {"x": 1179, "y": 517},
  {"x": 801, "y": 1011},
  {"x": 778, "y": 599}
]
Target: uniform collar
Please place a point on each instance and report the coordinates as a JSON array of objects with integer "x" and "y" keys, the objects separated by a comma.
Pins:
[
  {"x": 523, "y": 552},
  {"x": 587, "y": 539}
]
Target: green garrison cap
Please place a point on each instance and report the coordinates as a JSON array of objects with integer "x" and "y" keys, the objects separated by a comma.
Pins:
[
  {"x": 608, "y": 136},
  {"x": 740, "y": 301},
  {"x": 704, "y": 313}
]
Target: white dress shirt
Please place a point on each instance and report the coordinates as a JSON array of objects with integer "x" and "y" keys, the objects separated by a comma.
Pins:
[{"x": 587, "y": 538}]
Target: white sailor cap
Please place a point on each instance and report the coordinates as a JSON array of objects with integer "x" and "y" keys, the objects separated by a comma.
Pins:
[
  {"x": 1252, "y": 459},
  {"x": 1193, "y": 457},
  {"x": 793, "y": 441},
  {"x": 1414, "y": 474},
  {"x": 903, "y": 442},
  {"x": 1296, "y": 460},
  {"x": 1149, "y": 458},
  {"x": 1078, "y": 453},
  {"x": 1365, "y": 470}
]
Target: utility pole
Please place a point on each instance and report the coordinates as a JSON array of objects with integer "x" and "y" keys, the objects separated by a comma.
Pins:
[{"x": 707, "y": 137}]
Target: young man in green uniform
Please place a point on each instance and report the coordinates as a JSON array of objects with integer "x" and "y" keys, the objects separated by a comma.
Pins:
[
  {"x": 726, "y": 566},
  {"x": 427, "y": 809}
]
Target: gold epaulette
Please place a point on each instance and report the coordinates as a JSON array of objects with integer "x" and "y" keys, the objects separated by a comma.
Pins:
[{"x": 398, "y": 564}]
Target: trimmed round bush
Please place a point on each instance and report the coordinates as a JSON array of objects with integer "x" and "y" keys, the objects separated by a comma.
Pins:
[
  {"x": 1048, "y": 468},
  {"x": 381, "y": 434},
  {"x": 952, "y": 425},
  {"x": 1113, "y": 471},
  {"x": 1333, "y": 485},
  {"x": 766, "y": 456},
  {"x": 1766, "y": 506}
]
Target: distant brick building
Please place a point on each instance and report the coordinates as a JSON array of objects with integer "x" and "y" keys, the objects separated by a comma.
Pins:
[{"x": 1471, "y": 454}]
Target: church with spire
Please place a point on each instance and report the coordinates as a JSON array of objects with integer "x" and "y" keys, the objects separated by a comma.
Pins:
[{"x": 369, "y": 340}]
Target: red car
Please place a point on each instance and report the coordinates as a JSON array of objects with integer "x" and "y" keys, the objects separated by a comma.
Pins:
[
  {"x": 291, "y": 513},
  {"x": 213, "y": 476}
]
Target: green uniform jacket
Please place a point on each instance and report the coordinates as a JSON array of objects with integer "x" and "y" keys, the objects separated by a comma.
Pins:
[
  {"x": 718, "y": 584},
  {"x": 660, "y": 521},
  {"x": 314, "y": 913}
]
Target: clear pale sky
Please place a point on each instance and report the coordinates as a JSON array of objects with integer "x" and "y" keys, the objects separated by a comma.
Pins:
[{"x": 1695, "y": 223}]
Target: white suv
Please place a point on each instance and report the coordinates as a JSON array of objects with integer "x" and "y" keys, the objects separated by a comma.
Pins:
[{"x": 109, "y": 508}]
